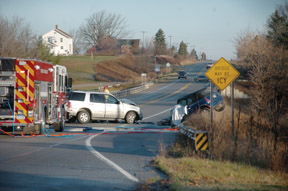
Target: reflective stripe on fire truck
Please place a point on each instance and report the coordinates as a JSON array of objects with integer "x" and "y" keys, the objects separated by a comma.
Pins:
[{"x": 24, "y": 91}]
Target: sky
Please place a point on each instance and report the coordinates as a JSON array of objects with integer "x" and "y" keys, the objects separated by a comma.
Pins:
[{"x": 209, "y": 26}]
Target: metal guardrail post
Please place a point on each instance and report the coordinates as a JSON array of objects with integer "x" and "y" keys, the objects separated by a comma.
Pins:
[{"x": 199, "y": 137}]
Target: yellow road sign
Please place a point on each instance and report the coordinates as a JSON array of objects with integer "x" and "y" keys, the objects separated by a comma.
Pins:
[{"x": 222, "y": 73}]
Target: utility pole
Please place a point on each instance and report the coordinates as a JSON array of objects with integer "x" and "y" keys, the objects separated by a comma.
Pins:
[
  {"x": 143, "y": 38},
  {"x": 170, "y": 44}
]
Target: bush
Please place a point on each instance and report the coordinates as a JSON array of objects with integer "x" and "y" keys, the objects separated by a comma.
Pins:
[{"x": 253, "y": 142}]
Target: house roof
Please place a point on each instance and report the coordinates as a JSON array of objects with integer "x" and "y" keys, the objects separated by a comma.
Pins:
[
  {"x": 128, "y": 41},
  {"x": 62, "y": 32}
]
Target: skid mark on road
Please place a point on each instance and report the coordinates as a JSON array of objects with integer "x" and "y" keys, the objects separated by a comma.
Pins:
[{"x": 106, "y": 160}]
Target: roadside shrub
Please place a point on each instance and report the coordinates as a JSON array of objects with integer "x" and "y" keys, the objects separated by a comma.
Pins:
[{"x": 253, "y": 142}]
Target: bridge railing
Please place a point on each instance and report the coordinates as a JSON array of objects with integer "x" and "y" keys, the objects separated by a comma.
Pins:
[{"x": 126, "y": 92}]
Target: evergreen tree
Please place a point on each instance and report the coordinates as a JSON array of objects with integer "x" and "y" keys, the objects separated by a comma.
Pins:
[
  {"x": 160, "y": 43},
  {"x": 278, "y": 26},
  {"x": 182, "y": 49},
  {"x": 194, "y": 54}
]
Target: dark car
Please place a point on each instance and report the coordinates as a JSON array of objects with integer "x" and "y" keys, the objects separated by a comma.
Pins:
[
  {"x": 182, "y": 74},
  {"x": 200, "y": 101},
  {"x": 201, "y": 78},
  {"x": 209, "y": 65}
]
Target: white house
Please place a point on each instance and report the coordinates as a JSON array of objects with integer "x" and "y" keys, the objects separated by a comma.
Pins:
[{"x": 60, "y": 42}]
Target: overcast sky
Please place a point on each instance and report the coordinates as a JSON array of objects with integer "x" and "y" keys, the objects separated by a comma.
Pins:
[{"x": 209, "y": 26}]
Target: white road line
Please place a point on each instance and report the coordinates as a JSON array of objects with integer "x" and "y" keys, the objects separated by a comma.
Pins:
[
  {"x": 38, "y": 150},
  {"x": 158, "y": 113},
  {"x": 140, "y": 97},
  {"x": 106, "y": 160}
]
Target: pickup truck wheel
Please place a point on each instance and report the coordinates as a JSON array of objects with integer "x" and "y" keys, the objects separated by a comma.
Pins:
[
  {"x": 83, "y": 117},
  {"x": 130, "y": 117}
]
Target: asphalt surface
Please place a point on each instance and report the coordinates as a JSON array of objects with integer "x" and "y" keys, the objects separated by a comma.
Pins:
[{"x": 97, "y": 156}]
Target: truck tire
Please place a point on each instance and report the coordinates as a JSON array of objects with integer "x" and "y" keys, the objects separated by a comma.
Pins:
[
  {"x": 38, "y": 129},
  {"x": 83, "y": 117},
  {"x": 130, "y": 117},
  {"x": 61, "y": 125}
]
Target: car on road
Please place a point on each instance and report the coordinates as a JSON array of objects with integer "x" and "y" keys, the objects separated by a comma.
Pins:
[
  {"x": 209, "y": 65},
  {"x": 200, "y": 101},
  {"x": 182, "y": 74},
  {"x": 86, "y": 106},
  {"x": 201, "y": 78}
]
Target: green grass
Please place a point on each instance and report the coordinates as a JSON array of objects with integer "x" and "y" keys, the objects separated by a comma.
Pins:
[
  {"x": 81, "y": 68},
  {"x": 82, "y": 63},
  {"x": 202, "y": 174}
]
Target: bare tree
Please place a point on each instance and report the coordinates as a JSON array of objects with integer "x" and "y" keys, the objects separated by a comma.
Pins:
[
  {"x": 18, "y": 40},
  {"x": 100, "y": 25},
  {"x": 77, "y": 43},
  {"x": 12, "y": 34},
  {"x": 268, "y": 66}
]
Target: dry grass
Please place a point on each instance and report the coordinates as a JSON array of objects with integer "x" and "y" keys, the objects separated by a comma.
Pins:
[
  {"x": 121, "y": 69},
  {"x": 124, "y": 68},
  {"x": 129, "y": 68},
  {"x": 251, "y": 143},
  {"x": 255, "y": 165},
  {"x": 202, "y": 174}
]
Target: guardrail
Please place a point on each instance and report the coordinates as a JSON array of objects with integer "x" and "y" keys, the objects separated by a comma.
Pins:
[
  {"x": 199, "y": 137},
  {"x": 129, "y": 91}
]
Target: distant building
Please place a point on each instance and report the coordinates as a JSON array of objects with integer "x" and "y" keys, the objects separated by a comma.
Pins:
[
  {"x": 59, "y": 42},
  {"x": 129, "y": 46}
]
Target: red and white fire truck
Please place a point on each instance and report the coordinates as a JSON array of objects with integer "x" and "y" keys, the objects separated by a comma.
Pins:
[{"x": 33, "y": 95}]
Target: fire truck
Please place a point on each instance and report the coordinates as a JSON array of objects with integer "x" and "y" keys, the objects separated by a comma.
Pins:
[{"x": 33, "y": 95}]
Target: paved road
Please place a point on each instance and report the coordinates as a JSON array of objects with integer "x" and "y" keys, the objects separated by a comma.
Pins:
[{"x": 96, "y": 156}]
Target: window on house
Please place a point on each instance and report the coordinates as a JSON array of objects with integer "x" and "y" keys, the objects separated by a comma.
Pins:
[
  {"x": 50, "y": 39},
  {"x": 61, "y": 47},
  {"x": 61, "y": 39}
]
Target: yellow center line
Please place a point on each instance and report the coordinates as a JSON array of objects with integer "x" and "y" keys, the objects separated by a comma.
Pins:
[
  {"x": 183, "y": 88},
  {"x": 169, "y": 95}
]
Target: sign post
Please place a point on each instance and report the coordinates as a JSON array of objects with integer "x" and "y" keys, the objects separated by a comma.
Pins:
[
  {"x": 143, "y": 76},
  {"x": 222, "y": 73},
  {"x": 168, "y": 66}
]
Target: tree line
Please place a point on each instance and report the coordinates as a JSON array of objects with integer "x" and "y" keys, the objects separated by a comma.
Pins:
[
  {"x": 264, "y": 55},
  {"x": 18, "y": 40}
]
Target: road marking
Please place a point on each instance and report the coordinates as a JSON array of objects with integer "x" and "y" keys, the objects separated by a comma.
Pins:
[
  {"x": 169, "y": 95},
  {"x": 157, "y": 114},
  {"x": 106, "y": 160},
  {"x": 159, "y": 89},
  {"x": 38, "y": 150}
]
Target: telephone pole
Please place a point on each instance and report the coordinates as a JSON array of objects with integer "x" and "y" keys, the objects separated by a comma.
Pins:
[
  {"x": 170, "y": 50},
  {"x": 143, "y": 38}
]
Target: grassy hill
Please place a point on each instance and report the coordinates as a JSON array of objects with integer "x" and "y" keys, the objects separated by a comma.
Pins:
[
  {"x": 85, "y": 70},
  {"x": 81, "y": 68}
]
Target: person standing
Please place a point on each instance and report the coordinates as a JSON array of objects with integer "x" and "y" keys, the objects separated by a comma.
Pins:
[
  {"x": 106, "y": 90},
  {"x": 178, "y": 113}
]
